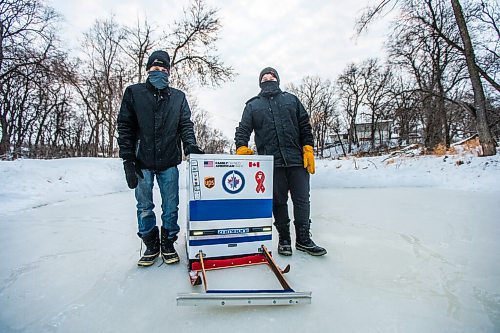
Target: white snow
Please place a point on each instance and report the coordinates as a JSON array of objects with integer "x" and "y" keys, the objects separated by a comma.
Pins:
[{"x": 413, "y": 246}]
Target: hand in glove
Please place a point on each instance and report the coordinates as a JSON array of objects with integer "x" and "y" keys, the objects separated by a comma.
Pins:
[
  {"x": 131, "y": 173},
  {"x": 193, "y": 149},
  {"x": 244, "y": 150},
  {"x": 309, "y": 158}
]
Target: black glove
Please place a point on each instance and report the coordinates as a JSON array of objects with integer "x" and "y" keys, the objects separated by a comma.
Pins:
[
  {"x": 131, "y": 173},
  {"x": 193, "y": 149}
]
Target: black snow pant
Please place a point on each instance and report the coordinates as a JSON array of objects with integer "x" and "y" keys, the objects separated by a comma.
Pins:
[{"x": 296, "y": 181}]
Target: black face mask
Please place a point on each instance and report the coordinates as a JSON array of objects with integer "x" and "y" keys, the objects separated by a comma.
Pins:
[{"x": 269, "y": 88}]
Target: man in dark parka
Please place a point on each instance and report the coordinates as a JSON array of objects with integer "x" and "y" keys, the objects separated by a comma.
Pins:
[
  {"x": 282, "y": 129},
  {"x": 154, "y": 119}
]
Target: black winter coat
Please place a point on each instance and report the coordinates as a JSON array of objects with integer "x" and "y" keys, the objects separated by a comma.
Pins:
[
  {"x": 281, "y": 126},
  {"x": 151, "y": 125}
]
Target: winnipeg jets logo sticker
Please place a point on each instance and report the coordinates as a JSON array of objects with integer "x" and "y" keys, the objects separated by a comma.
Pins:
[{"x": 233, "y": 182}]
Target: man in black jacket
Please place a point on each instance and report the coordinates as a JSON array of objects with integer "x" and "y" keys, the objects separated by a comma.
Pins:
[
  {"x": 153, "y": 120},
  {"x": 282, "y": 129}
]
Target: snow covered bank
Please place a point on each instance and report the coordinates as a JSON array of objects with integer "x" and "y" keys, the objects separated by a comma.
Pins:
[
  {"x": 459, "y": 172},
  {"x": 32, "y": 183}
]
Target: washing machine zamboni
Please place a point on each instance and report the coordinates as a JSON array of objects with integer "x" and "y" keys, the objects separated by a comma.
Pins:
[{"x": 229, "y": 224}]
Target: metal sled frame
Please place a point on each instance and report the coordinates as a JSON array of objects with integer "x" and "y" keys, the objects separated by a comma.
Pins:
[{"x": 287, "y": 296}]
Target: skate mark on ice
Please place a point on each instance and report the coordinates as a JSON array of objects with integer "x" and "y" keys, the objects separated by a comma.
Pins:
[
  {"x": 491, "y": 305},
  {"x": 421, "y": 251},
  {"x": 60, "y": 318},
  {"x": 450, "y": 273},
  {"x": 16, "y": 274},
  {"x": 29, "y": 267},
  {"x": 450, "y": 280}
]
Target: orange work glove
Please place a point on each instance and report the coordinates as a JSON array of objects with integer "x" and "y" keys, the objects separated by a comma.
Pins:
[
  {"x": 309, "y": 158},
  {"x": 244, "y": 150}
]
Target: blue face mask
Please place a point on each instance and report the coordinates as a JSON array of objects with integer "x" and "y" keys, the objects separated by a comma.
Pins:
[{"x": 158, "y": 79}]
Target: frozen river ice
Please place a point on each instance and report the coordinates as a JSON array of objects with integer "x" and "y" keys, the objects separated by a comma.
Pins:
[{"x": 400, "y": 260}]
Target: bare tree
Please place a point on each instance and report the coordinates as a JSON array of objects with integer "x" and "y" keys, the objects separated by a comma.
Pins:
[
  {"x": 192, "y": 47},
  {"x": 103, "y": 74},
  {"x": 377, "y": 100},
  {"x": 53, "y": 105},
  {"x": 405, "y": 101},
  {"x": 485, "y": 137},
  {"x": 485, "y": 30},
  {"x": 434, "y": 65},
  {"x": 27, "y": 39},
  {"x": 209, "y": 139},
  {"x": 138, "y": 43},
  {"x": 352, "y": 92},
  {"x": 466, "y": 48},
  {"x": 485, "y": 18},
  {"x": 327, "y": 121},
  {"x": 318, "y": 97}
]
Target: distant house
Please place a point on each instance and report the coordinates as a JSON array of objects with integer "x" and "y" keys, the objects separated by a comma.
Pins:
[
  {"x": 383, "y": 130},
  {"x": 383, "y": 134}
]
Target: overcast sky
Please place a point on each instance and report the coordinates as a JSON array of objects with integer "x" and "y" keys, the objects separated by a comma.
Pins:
[{"x": 298, "y": 38}]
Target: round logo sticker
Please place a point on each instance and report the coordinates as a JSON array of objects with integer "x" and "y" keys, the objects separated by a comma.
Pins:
[
  {"x": 233, "y": 182},
  {"x": 209, "y": 182}
]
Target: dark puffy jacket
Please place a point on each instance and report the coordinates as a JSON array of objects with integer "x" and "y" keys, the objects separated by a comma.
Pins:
[
  {"x": 281, "y": 126},
  {"x": 151, "y": 125}
]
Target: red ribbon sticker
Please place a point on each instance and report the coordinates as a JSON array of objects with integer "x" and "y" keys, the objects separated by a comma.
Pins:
[{"x": 259, "y": 177}]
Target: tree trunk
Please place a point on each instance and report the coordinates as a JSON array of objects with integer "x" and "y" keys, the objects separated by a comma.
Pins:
[
  {"x": 5, "y": 140},
  {"x": 372, "y": 129},
  {"x": 485, "y": 138},
  {"x": 341, "y": 144}
]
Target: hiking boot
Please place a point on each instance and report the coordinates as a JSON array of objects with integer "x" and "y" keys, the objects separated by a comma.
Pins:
[
  {"x": 303, "y": 242},
  {"x": 285, "y": 247},
  {"x": 168, "y": 252},
  {"x": 152, "y": 242},
  {"x": 284, "y": 242}
]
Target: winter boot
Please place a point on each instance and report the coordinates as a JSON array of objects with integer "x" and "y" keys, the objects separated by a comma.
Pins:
[
  {"x": 303, "y": 241},
  {"x": 284, "y": 242},
  {"x": 168, "y": 252},
  {"x": 152, "y": 242}
]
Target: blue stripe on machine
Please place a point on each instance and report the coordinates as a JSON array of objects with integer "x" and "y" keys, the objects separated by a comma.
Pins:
[
  {"x": 215, "y": 241},
  {"x": 207, "y": 210}
]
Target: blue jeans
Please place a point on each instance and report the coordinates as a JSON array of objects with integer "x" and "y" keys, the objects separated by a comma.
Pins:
[{"x": 168, "y": 182}]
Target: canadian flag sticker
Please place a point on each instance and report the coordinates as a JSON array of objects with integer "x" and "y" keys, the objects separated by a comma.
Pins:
[{"x": 254, "y": 164}]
